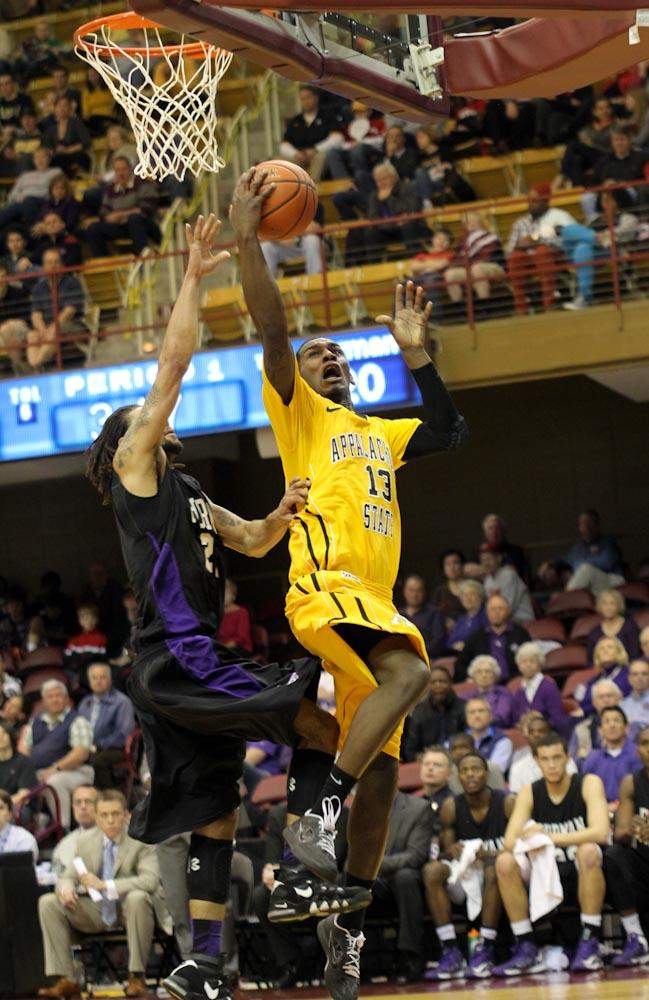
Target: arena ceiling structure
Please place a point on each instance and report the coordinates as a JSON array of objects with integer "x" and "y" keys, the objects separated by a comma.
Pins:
[{"x": 555, "y": 46}]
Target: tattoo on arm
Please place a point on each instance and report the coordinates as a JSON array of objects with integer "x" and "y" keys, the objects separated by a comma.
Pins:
[{"x": 224, "y": 519}]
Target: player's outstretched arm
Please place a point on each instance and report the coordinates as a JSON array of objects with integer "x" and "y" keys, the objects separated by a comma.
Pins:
[
  {"x": 256, "y": 538},
  {"x": 143, "y": 436},
  {"x": 259, "y": 288}
]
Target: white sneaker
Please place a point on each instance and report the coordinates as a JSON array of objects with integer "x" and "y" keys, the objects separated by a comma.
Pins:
[{"x": 576, "y": 304}]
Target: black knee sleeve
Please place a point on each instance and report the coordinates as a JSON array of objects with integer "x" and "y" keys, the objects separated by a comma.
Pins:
[
  {"x": 208, "y": 868},
  {"x": 307, "y": 774}
]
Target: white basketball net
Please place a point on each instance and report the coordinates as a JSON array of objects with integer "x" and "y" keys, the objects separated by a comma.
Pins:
[{"x": 174, "y": 122}]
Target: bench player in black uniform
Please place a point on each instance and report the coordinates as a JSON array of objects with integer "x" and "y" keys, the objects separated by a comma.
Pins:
[
  {"x": 197, "y": 702},
  {"x": 626, "y": 863},
  {"x": 478, "y": 813},
  {"x": 572, "y": 810}
]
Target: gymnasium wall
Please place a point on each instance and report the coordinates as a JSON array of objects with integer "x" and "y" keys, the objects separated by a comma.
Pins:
[{"x": 538, "y": 453}]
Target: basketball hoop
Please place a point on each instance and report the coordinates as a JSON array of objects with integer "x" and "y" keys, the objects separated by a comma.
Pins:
[{"x": 168, "y": 92}]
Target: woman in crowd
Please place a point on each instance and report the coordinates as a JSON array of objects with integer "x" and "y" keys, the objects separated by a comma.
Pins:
[
  {"x": 17, "y": 773},
  {"x": 57, "y": 224},
  {"x": 485, "y": 674},
  {"x": 537, "y": 693},
  {"x": 472, "y": 596},
  {"x": 97, "y": 104},
  {"x": 235, "y": 631},
  {"x": 611, "y": 608},
  {"x": 14, "y": 839},
  {"x": 446, "y": 596},
  {"x": 610, "y": 660}
]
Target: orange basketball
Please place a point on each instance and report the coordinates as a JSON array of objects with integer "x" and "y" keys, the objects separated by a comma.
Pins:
[{"x": 289, "y": 209}]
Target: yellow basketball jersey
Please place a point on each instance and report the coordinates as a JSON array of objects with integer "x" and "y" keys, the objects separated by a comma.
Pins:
[{"x": 351, "y": 522}]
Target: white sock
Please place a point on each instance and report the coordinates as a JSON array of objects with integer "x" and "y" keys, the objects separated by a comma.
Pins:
[
  {"x": 446, "y": 932},
  {"x": 520, "y": 927},
  {"x": 592, "y": 919},
  {"x": 632, "y": 925},
  {"x": 488, "y": 933}
]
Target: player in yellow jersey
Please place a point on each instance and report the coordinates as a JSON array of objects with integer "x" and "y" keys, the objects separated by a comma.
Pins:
[{"x": 345, "y": 549}]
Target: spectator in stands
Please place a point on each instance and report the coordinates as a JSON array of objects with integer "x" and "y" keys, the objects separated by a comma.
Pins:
[
  {"x": 534, "y": 246},
  {"x": 500, "y": 638},
  {"x": 636, "y": 704},
  {"x": 52, "y": 590},
  {"x": 595, "y": 560},
  {"x": 525, "y": 768},
  {"x": 487, "y": 739},
  {"x": 610, "y": 660},
  {"x": 611, "y": 608},
  {"x": 504, "y": 580},
  {"x": 509, "y": 124},
  {"x": 236, "y": 627},
  {"x": 17, "y": 774},
  {"x": 480, "y": 249},
  {"x": 393, "y": 196},
  {"x": 59, "y": 742},
  {"x": 62, "y": 88},
  {"x": 429, "y": 267},
  {"x": 617, "y": 755},
  {"x": 311, "y": 133},
  {"x": 625, "y": 863},
  {"x": 403, "y": 156},
  {"x": 435, "y": 719},
  {"x": 591, "y": 145},
  {"x": 14, "y": 839},
  {"x": 13, "y": 622},
  {"x": 572, "y": 811},
  {"x": 131, "y": 899},
  {"x": 97, "y": 104},
  {"x": 438, "y": 182},
  {"x": 421, "y": 612},
  {"x": 13, "y": 104},
  {"x": 362, "y": 144},
  {"x": 13, "y": 711},
  {"x": 485, "y": 674},
  {"x": 435, "y": 773},
  {"x": 46, "y": 322},
  {"x": 39, "y": 53},
  {"x": 472, "y": 595},
  {"x": 308, "y": 245},
  {"x": 119, "y": 146},
  {"x": 68, "y": 138},
  {"x": 459, "y": 746},
  {"x": 478, "y": 813},
  {"x": 106, "y": 594},
  {"x": 9, "y": 685},
  {"x": 16, "y": 259},
  {"x": 559, "y": 118},
  {"x": 537, "y": 693},
  {"x": 494, "y": 532},
  {"x": 586, "y": 735},
  {"x": 84, "y": 810},
  {"x": 90, "y": 641},
  {"x": 111, "y": 718},
  {"x": 622, "y": 163},
  {"x": 399, "y": 883},
  {"x": 27, "y": 139},
  {"x": 57, "y": 223},
  {"x": 13, "y": 325},
  {"x": 30, "y": 191},
  {"x": 447, "y": 596},
  {"x": 127, "y": 212},
  {"x": 264, "y": 759}
]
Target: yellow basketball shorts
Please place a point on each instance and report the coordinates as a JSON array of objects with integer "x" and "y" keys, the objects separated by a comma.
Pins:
[{"x": 315, "y": 605}]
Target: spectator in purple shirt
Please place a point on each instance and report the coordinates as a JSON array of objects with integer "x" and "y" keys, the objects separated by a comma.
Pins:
[
  {"x": 423, "y": 614},
  {"x": 616, "y": 757},
  {"x": 485, "y": 674},
  {"x": 610, "y": 659},
  {"x": 614, "y": 625},
  {"x": 500, "y": 638},
  {"x": 537, "y": 693},
  {"x": 472, "y": 596}
]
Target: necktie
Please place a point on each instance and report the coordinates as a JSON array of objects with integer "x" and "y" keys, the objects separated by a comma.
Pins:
[{"x": 108, "y": 906}]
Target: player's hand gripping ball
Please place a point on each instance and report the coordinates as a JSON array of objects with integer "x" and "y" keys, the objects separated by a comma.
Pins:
[{"x": 290, "y": 207}]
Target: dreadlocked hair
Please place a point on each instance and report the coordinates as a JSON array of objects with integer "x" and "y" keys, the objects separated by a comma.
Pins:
[{"x": 99, "y": 464}]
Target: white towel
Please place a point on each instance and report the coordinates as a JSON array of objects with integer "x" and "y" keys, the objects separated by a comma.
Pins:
[
  {"x": 465, "y": 871},
  {"x": 545, "y": 887}
]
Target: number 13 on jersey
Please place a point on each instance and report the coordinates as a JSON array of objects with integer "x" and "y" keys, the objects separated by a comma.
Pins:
[{"x": 376, "y": 517}]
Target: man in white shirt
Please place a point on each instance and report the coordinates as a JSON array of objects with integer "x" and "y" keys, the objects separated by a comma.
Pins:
[
  {"x": 525, "y": 768},
  {"x": 534, "y": 246},
  {"x": 504, "y": 580},
  {"x": 84, "y": 806},
  {"x": 14, "y": 839},
  {"x": 636, "y": 705}
]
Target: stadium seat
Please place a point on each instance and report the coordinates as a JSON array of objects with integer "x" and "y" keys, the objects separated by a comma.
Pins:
[
  {"x": 375, "y": 284},
  {"x": 579, "y": 679},
  {"x": 326, "y": 191},
  {"x": 568, "y": 603},
  {"x": 464, "y": 689},
  {"x": 224, "y": 313},
  {"x": 409, "y": 777},
  {"x": 447, "y": 662},
  {"x": 514, "y": 684},
  {"x": 517, "y": 737},
  {"x": 537, "y": 165},
  {"x": 563, "y": 661},
  {"x": 641, "y": 617},
  {"x": 311, "y": 294},
  {"x": 582, "y": 627},
  {"x": 46, "y": 656},
  {"x": 635, "y": 593},
  {"x": 270, "y": 790},
  {"x": 547, "y": 630},
  {"x": 489, "y": 176}
]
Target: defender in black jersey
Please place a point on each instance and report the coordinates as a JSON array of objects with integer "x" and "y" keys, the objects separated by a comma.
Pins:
[
  {"x": 572, "y": 811},
  {"x": 626, "y": 863},
  {"x": 479, "y": 813},
  {"x": 197, "y": 702}
]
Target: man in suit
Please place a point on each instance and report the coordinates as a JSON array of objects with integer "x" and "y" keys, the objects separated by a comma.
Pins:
[
  {"x": 500, "y": 638},
  {"x": 399, "y": 885},
  {"x": 126, "y": 874}
]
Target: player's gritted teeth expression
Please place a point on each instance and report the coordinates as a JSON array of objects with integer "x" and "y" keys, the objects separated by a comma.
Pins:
[{"x": 325, "y": 368}]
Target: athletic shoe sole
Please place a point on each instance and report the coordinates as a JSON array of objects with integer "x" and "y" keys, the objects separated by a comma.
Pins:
[
  {"x": 290, "y": 914},
  {"x": 530, "y": 971},
  {"x": 315, "y": 860}
]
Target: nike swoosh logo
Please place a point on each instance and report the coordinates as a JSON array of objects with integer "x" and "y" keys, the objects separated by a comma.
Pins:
[
  {"x": 305, "y": 893},
  {"x": 210, "y": 992},
  {"x": 280, "y": 906},
  {"x": 332, "y": 409}
]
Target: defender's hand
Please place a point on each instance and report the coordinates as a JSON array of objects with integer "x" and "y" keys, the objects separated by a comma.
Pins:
[
  {"x": 294, "y": 500},
  {"x": 200, "y": 242},
  {"x": 411, "y": 314},
  {"x": 247, "y": 201}
]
